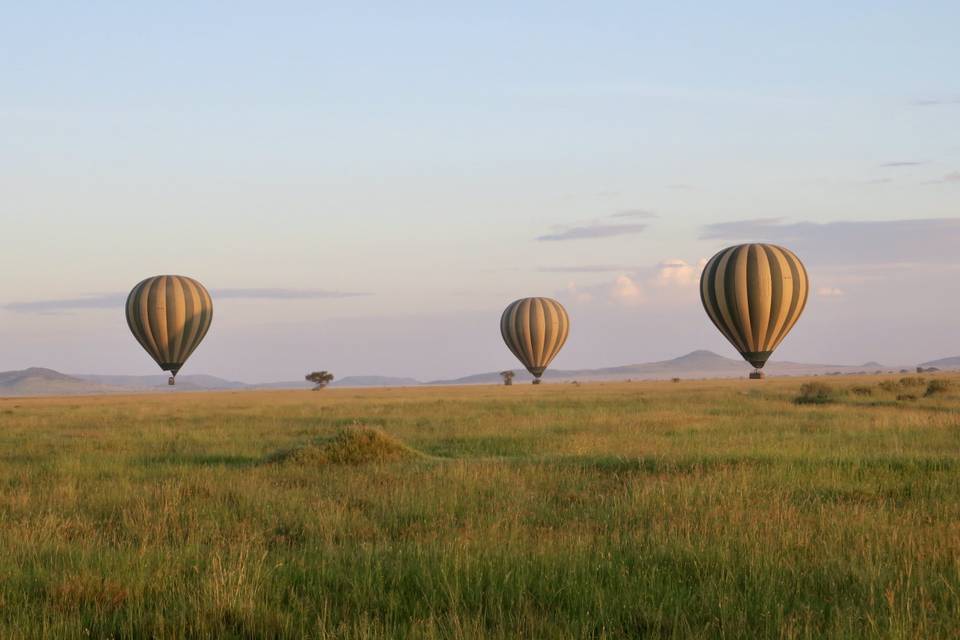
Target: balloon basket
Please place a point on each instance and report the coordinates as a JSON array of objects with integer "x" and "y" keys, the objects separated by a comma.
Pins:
[
  {"x": 536, "y": 381},
  {"x": 757, "y": 375},
  {"x": 171, "y": 381}
]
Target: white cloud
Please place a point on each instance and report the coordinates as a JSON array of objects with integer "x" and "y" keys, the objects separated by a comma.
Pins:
[
  {"x": 592, "y": 232},
  {"x": 626, "y": 291},
  {"x": 117, "y": 300},
  {"x": 576, "y": 294},
  {"x": 830, "y": 292},
  {"x": 678, "y": 273},
  {"x": 669, "y": 284},
  {"x": 853, "y": 242}
]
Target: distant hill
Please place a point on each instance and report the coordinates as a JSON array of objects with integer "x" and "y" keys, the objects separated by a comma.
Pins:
[
  {"x": 349, "y": 381},
  {"x": 285, "y": 384},
  {"x": 943, "y": 363},
  {"x": 374, "y": 381},
  {"x": 145, "y": 383},
  {"x": 37, "y": 381},
  {"x": 696, "y": 364},
  {"x": 40, "y": 381}
]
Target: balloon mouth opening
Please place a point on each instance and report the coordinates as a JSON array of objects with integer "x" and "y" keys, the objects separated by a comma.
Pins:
[
  {"x": 757, "y": 358},
  {"x": 171, "y": 367},
  {"x": 537, "y": 371}
]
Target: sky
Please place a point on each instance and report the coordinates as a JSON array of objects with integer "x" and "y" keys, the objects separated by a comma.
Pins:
[{"x": 364, "y": 187}]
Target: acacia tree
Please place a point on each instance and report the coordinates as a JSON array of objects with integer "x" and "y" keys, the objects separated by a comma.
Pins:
[
  {"x": 320, "y": 379},
  {"x": 507, "y": 377}
]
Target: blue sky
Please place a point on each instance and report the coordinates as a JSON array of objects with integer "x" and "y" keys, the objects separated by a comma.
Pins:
[{"x": 444, "y": 160}]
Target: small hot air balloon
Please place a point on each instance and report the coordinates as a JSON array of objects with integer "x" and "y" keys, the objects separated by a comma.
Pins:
[
  {"x": 754, "y": 293},
  {"x": 169, "y": 316},
  {"x": 535, "y": 330}
]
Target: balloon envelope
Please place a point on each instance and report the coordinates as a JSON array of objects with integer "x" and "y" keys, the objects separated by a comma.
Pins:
[
  {"x": 535, "y": 330},
  {"x": 169, "y": 316},
  {"x": 754, "y": 294}
]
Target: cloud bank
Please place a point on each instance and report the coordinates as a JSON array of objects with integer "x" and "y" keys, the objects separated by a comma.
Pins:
[
  {"x": 925, "y": 241},
  {"x": 593, "y": 232},
  {"x": 902, "y": 163},
  {"x": 666, "y": 284},
  {"x": 588, "y": 268},
  {"x": 634, "y": 213},
  {"x": 936, "y": 102},
  {"x": 117, "y": 300}
]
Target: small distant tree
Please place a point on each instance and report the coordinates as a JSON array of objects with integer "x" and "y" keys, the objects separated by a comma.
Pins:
[
  {"x": 320, "y": 379},
  {"x": 507, "y": 377}
]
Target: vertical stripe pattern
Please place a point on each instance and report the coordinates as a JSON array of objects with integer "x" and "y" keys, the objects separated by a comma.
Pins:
[
  {"x": 169, "y": 316},
  {"x": 535, "y": 330},
  {"x": 754, "y": 294}
]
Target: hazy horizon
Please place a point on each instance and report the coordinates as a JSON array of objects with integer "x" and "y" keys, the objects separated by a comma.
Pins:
[{"x": 365, "y": 190}]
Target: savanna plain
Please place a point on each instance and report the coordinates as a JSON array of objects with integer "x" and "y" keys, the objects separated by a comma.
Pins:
[{"x": 697, "y": 509}]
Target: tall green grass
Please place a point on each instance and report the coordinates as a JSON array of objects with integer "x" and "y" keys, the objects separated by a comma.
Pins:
[{"x": 699, "y": 509}]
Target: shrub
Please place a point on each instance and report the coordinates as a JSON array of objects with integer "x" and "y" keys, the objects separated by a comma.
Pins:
[
  {"x": 815, "y": 393},
  {"x": 937, "y": 386},
  {"x": 351, "y": 446},
  {"x": 889, "y": 385},
  {"x": 915, "y": 381},
  {"x": 862, "y": 391},
  {"x": 907, "y": 396}
]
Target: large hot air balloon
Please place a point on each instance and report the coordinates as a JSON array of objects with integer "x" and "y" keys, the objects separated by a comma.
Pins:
[
  {"x": 169, "y": 316},
  {"x": 535, "y": 330},
  {"x": 754, "y": 293}
]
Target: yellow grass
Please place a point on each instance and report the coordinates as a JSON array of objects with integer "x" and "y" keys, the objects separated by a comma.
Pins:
[{"x": 700, "y": 509}]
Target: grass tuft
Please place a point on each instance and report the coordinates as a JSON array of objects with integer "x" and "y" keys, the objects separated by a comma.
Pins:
[
  {"x": 937, "y": 386},
  {"x": 816, "y": 393},
  {"x": 351, "y": 446}
]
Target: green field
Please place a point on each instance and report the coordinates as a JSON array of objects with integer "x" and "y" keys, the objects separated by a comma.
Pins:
[{"x": 698, "y": 509}]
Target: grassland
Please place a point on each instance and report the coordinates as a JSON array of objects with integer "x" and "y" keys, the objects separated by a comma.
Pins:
[{"x": 698, "y": 509}]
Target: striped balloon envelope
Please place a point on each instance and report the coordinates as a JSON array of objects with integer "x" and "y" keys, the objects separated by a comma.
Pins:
[
  {"x": 169, "y": 316},
  {"x": 535, "y": 330},
  {"x": 754, "y": 294}
]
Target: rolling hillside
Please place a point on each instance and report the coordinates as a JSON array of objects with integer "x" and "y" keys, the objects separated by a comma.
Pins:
[
  {"x": 696, "y": 364},
  {"x": 37, "y": 381},
  {"x": 943, "y": 363}
]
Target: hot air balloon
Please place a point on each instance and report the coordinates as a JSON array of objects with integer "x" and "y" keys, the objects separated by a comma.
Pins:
[
  {"x": 754, "y": 293},
  {"x": 535, "y": 330},
  {"x": 169, "y": 316}
]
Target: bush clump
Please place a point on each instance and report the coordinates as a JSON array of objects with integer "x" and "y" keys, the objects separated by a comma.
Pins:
[
  {"x": 891, "y": 386},
  {"x": 862, "y": 390},
  {"x": 351, "y": 446},
  {"x": 937, "y": 386},
  {"x": 910, "y": 387},
  {"x": 816, "y": 393},
  {"x": 912, "y": 381}
]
